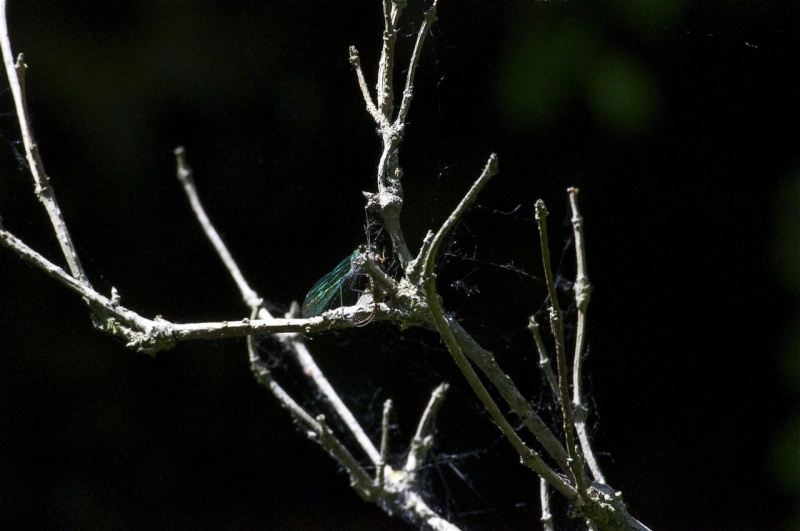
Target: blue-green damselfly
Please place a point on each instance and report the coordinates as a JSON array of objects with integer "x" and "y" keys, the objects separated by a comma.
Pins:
[{"x": 331, "y": 288}]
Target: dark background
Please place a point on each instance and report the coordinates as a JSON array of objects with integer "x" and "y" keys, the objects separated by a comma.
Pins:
[{"x": 678, "y": 122}]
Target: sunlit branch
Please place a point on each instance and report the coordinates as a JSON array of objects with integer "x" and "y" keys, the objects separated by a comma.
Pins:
[
  {"x": 43, "y": 189},
  {"x": 583, "y": 291},
  {"x": 544, "y": 359},
  {"x": 557, "y": 327}
]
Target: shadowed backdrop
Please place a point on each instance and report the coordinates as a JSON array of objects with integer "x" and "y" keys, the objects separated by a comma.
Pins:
[{"x": 676, "y": 120}]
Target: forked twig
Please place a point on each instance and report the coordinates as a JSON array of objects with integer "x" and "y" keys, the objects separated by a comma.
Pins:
[
  {"x": 447, "y": 329},
  {"x": 423, "y": 437},
  {"x": 293, "y": 343},
  {"x": 413, "y": 299},
  {"x": 388, "y": 200},
  {"x": 557, "y": 326},
  {"x": 397, "y": 491}
]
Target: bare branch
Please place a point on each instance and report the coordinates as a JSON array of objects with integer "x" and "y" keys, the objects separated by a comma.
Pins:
[
  {"x": 326, "y": 390},
  {"x": 386, "y": 66},
  {"x": 446, "y": 329},
  {"x": 289, "y": 337},
  {"x": 387, "y": 409},
  {"x": 317, "y": 429},
  {"x": 388, "y": 201},
  {"x": 408, "y": 92},
  {"x": 359, "y": 479},
  {"x": 423, "y": 438},
  {"x": 529, "y": 457},
  {"x": 544, "y": 500},
  {"x": 355, "y": 60},
  {"x": 544, "y": 359},
  {"x": 487, "y": 363},
  {"x": 413, "y": 301},
  {"x": 155, "y": 335},
  {"x": 557, "y": 327},
  {"x": 44, "y": 191},
  {"x": 186, "y": 178},
  {"x": 396, "y": 497},
  {"x": 425, "y": 260},
  {"x": 583, "y": 291},
  {"x": 140, "y": 333}
]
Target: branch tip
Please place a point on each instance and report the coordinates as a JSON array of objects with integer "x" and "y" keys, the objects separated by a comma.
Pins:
[
  {"x": 20, "y": 66},
  {"x": 541, "y": 210},
  {"x": 183, "y": 170},
  {"x": 355, "y": 59}
]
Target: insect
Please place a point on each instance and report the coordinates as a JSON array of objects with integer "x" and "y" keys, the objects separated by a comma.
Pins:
[{"x": 333, "y": 287}]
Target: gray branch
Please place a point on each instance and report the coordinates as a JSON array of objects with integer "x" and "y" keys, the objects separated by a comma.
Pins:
[{"x": 411, "y": 300}]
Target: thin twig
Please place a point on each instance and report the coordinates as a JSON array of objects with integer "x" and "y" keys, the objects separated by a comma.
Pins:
[
  {"x": 557, "y": 327},
  {"x": 544, "y": 359},
  {"x": 264, "y": 377},
  {"x": 355, "y": 60},
  {"x": 44, "y": 191},
  {"x": 487, "y": 363},
  {"x": 360, "y": 480},
  {"x": 311, "y": 369},
  {"x": 387, "y": 409},
  {"x": 186, "y": 178},
  {"x": 423, "y": 438},
  {"x": 544, "y": 501},
  {"x": 529, "y": 457},
  {"x": 251, "y": 298},
  {"x": 384, "y": 281},
  {"x": 427, "y": 258},
  {"x": 396, "y": 497},
  {"x": 385, "y": 87},
  {"x": 484, "y": 359},
  {"x": 583, "y": 291},
  {"x": 397, "y": 9},
  {"x": 149, "y": 335},
  {"x": 408, "y": 92}
]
